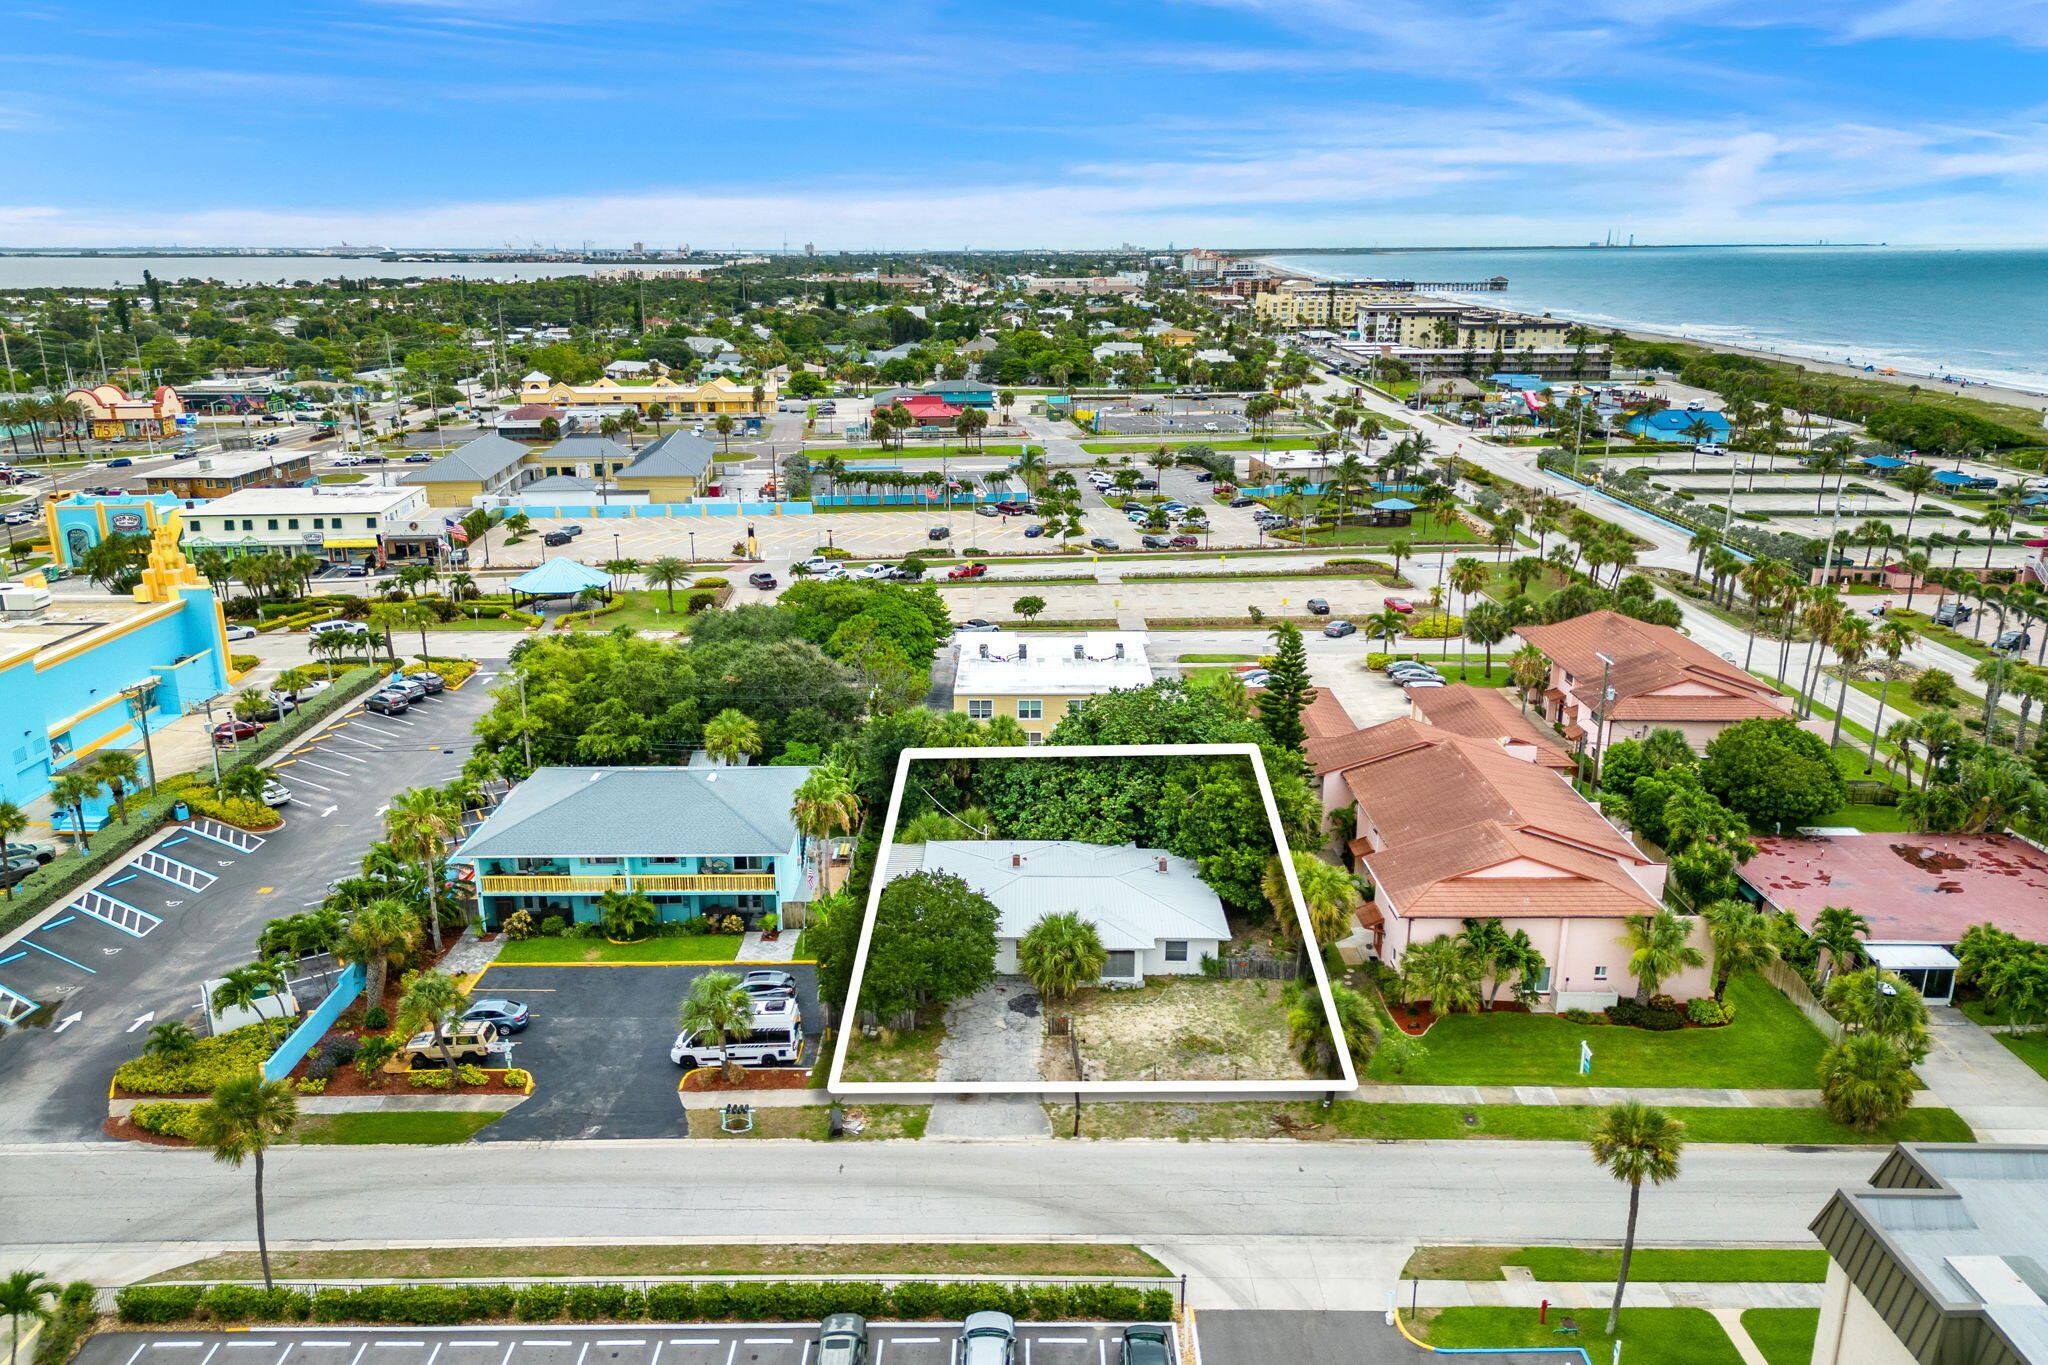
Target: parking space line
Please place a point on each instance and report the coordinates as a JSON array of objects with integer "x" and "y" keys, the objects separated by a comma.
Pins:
[
  {"x": 732, "y": 1351},
  {"x": 436, "y": 1352},
  {"x": 393, "y": 733},
  {"x": 138, "y": 1351},
  {"x": 61, "y": 958},
  {"x": 210, "y": 1354},
  {"x": 301, "y": 777},
  {"x": 11, "y": 957},
  {"x": 341, "y": 757},
  {"x": 68, "y": 919},
  {"x": 356, "y": 1359},
  {"x": 338, "y": 772}
]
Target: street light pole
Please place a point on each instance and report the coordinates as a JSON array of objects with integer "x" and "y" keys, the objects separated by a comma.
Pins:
[{"x": 1600, "y": 719}]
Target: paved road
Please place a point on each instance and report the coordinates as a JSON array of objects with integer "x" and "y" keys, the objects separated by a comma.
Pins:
[
  {"x": 67, "y": 1205},
  {"x": 53, "y": 1086}
]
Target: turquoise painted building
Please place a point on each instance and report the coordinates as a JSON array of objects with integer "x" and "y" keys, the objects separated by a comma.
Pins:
[
  {"x": 695, "y": 841},
  {"x": 81, "y": 521},
  {"x": 79, "y": 678}
]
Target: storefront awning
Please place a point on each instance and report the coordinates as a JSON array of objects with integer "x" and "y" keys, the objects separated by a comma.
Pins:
[{"x": 358, "y": 543}]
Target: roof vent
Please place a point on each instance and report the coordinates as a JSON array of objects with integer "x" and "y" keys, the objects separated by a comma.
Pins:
[
  {"x": 1016, "y": 860},
  {"x": 1119, "y": 649},
  {"x": 711, "y": 776},
  {"x": 1077, "y": 652},
  {"x": 984, "y": 649},
  {"x": 1162, "y": 863},
  {"x": 1023, "y": 650}
]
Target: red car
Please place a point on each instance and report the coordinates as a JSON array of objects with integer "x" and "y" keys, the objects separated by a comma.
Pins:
[
  {"x": 968, "y": 571},
  {"x": 234, "y": 731},
  {"x": 1185, "y": 542},
  {"x": 1400, "y": 604}
]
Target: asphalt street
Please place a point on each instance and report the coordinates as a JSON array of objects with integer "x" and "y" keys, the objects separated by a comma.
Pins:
[
  {"x": 1261, "y": 1336},
  {"x": 620, "y": 1343},
  {"x": 598, "y": 1047},
  {"x": 113, "y": 981}
]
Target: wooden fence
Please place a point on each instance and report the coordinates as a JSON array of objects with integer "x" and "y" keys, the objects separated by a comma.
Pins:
[
  {"x": 1259, "y": 968},
  {"x": 1794, "y": 986}
]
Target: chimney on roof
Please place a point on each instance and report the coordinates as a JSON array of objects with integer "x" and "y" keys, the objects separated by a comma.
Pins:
[
  {"x": 1119, "y": 649},
  {"x": 1023, "y": 650},
  {"x": 1077, "y": 652},
  {"x": 1016, "y": 860},
  {"x": 1161, "y": 860},
  {"x": 984, "y": 649}
]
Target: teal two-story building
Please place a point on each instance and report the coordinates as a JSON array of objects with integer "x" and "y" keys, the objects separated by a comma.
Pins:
[{"x": 695, "y": 841}]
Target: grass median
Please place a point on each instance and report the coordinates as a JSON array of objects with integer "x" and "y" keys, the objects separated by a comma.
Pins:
[
  {"x": 433, "y": 1126},
  {"x": 1783, "y": 1335},
  {"x": 1723, "y": 1265},
  {"x": 1653, "y": 1336},
  {"x": 630, "y": 1262},
  {"x": 545, "y": 951}
]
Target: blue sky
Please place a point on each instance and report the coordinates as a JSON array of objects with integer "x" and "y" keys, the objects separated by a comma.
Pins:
[{"x": 931, "y": 124}]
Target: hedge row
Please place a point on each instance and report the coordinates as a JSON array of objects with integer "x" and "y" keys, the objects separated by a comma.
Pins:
[
  {"x": 77, "y": 1308},
  {"x": 751, "y": 1301},
  {"x": 211, "y": 1061}
]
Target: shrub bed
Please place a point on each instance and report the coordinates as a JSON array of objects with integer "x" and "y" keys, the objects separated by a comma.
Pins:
[
  {"x": 211, "y": 1061},
  {"x": 242, "y": 663},
  {"x": 432, "y": 1305},
  {"x": 453, "y": 671}
]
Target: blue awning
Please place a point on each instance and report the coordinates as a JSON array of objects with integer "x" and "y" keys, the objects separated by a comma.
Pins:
[
  {"x": 1953, "y": 478},
  {"x": 1883, "y": 462},
  {"x": 1394, "y": 505}
]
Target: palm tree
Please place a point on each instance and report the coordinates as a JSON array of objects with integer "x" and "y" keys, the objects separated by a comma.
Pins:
[
  {"x": 432, "y": 1002},
  {"x": 1660, "y": 947},
  {"x": 717, "y": 1009},
  {"x": 1634, "y": 1142},
  {"x": 823, "y": 805},
  {"x": 1914, "y": 479},
  {"x": 118, "y": 770},
  {"x": 1866, "y": 1080},
  {"x": 245, "y": 1116},
  {"x": 13, "y": 820},
  {"x": 69, "y": 792},
  {"x": 1486, "y": 624},
  {"x": 1061, "y": 953},
  {"x": 22, "y": 1295},
  {"x": 1743, "y": 941},
  {"x": 247, "y": 987},
  {"x": 1892, "y": 638},
  {"x": 667, "y": 572},
  {"x": 420, "y": 825},
  {"x": 1442, "y": 971},
  {"x": 731, "y": 734},
  {"x": 1528, "y": 669},
  {"x": 377, "y": 934},
  {"x": 172, "y": 1038},
  {"x": 1327, "y": 893},
  {"x": 1838, "y": 931},
  {"x": 625, "y": 915},
  {"x": 1850, "y": 640}
]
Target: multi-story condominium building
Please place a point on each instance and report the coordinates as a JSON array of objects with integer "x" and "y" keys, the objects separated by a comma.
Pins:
[
  {"x": 696, "y": 841},
  {"x": 339, "y": 523},
  {"x": 708, "y": 399},
  {"x": 216, "y": 476}
]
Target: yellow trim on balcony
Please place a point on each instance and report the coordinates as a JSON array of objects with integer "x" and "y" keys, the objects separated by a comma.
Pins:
[{"x": 652, "y": 883}]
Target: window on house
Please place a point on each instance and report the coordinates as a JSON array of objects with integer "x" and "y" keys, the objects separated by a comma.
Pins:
[
  {"x": 1034, "y": 737},
  {"x": 1121, "y": 963},
  {"x": 749, "y": 862},
  {"x": 603, "y": 862},
  {"x": 662, "y": 861},
  {"x": 1599, "y": 973},
  {"x": 1073, "y": 705},
  {"x": 291, "y": 523},
  {"x": 1030, "y": 708},
  {"x": 980, "y": 708},
  {"x": 369, "y": 523},
  {"x": 272, "y": 521},
  {"x": 319, "y": 523},
  {"x": 1177, "y": 950}
]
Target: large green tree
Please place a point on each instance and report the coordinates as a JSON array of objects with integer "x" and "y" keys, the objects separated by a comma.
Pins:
[
  {"x": 934, "y": 941},
  {"x": 1773, "y": 774}
]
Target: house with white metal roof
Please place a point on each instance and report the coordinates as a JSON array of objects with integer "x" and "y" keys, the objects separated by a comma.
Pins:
[
  {"x": 1154, "y": 913},
  {"x": 695, "y": 841}
]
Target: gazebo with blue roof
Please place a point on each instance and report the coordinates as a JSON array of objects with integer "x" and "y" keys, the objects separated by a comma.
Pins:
[{"x": 560, "y": 578}]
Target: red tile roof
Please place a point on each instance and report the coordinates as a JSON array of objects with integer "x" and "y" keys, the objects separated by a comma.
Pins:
[
  {"x": 1325, "y": 717},
  {"x": 1448, "y": 807},
  {"x": 1486, "y": 713},
  {"x": 1696, "y": 708},
  {"x": 1647, "y": 659}
]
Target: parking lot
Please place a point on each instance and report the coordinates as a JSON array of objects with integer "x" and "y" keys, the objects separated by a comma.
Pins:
[
  {"x": 135, "y": 949},
  {"x": 598, "y": 1046},
  {"x": 625, "y": 1343}
]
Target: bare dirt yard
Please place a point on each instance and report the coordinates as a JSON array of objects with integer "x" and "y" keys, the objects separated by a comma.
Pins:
[{"x": 1183, "y": 1028}]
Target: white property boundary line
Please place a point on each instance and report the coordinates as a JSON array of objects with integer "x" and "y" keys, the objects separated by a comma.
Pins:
[{"x": 1341, "y": 1084}]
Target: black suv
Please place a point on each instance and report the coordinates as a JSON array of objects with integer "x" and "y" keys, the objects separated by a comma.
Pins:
[{"x": 555, "y": 538}]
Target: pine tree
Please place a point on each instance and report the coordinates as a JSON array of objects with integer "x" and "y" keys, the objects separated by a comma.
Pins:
[{"x": 1287, "y": 690}]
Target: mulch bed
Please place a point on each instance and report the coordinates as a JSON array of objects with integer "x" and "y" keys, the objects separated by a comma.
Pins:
[
  {"x": 124, "y": 1130},
  {"x": 1416, "y": 1025},
  {"x": 782, "y": 1078}
]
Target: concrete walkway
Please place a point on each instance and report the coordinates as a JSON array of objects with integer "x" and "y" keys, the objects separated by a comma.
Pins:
[
  {"x": 1971, "y": 1072},
  {"x": 757, "y": 948},
  {"x": 1674, "y": 1096}
]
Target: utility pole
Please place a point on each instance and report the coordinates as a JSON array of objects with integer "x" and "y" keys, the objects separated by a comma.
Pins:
[
  {"x": 1600, "y": 719},
  {"x": 525, "y": 738}
]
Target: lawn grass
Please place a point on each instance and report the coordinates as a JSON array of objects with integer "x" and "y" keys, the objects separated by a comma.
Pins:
[
  {"x": 343, "y": 478},
  {"x": 1870, "y": 819},
  {"x": 1555, "y": 1264},
  {"x": 902, "y": 1055},
  {"x": 433, "y": 1126},
  {"x": 1218, "y": 658},
  {"x": 644, "y": 610},
  {"x": 699, "y": 948},
  {"x": 1501, "y": 586},
  {"x": 634, "y": 1262},
  {"x": 812, "y": 1122},
  {"x": 1142, "y": 445},
  {"x": 1769, "y": 1046},
  {"x": 1310, "y": 1122},
  {"x": 1456, "y": 533},
  {"x": 1784, "y": 1335},
  {"x": 1652, "y": 1336}
]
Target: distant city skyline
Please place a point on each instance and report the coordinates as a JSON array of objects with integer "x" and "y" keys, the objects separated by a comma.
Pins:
[{"x": 413, "y": 123}]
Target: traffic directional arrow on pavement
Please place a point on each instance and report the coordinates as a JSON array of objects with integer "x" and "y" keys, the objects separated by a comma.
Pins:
[
  {"x": 140, "y": 1021},
  {"x": 67, "y": 1021}
]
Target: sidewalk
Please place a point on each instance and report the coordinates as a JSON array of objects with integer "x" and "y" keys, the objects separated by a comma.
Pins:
[
  {"x": 1591, "y": 1294},
  {"x": 1590, "y": 1095}
]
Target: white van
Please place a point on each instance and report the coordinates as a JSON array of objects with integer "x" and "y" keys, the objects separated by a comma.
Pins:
[{"x": 776, "y": 1039}]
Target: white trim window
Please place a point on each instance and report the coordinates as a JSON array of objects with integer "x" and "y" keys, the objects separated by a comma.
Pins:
[{"x": 980, "y": 708}]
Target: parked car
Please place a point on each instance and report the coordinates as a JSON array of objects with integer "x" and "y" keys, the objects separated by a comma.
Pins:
[
  {"x": 241, "y": 632},
  {"x": 276, "y": 794},
  {"x": 1400, "y": 604},
  {"x": 874, "y": 571},
  {"x": 466, "y": 1040},
  {"x": 1952, "y": 613},
  {"x": 409, "y": 688},
  {"x": 767, "y": 984},
  {"x": 1337, "y": 630},
  {"x": 776, "y": 1039},
  {"x": 16, "y": 869},
  {"x": 761, "y": 579},
  {"x": 1102, "y": 543},
  {"x": 1148, "y": 485},
  {"x": 1138, "y": 517},
  {"x": 1410, "y": 666},
  {"x": 1033, "y": 532},
  {"x": 341, "y": 628},
  {"x": 1144, "y": 1343},
  {"x": 276, "y": 707},
  {"x": 842, "y": 1340},
  {"x": 1155, "y": 542},
  {"x": 1257, "y": 677},
  {"x": 1317, "y": 606},
  {"x": 419, "y": 457},
  {"x": 2013, "y": 640},
  {"x": 429, "y": 679},
  {"x": 235, "y": 731},
  {"x": 1133, "y": 505},
  {"x": 508, "y": 1016},
  {"x": 387, "y": 703},
  {"x": 1204, "y": 476},
  {"x": 968, "y": 571},
  {"x": 42, "y": 853},
  {"x": 1015, "y": 509},
  {"x": 816, "y": 564},
  {"x": 974, "y": 626},
  {"x": 1413, "y": 683},
  {"x": 119, "y": 462},
  {"x": 555, "y": 538},
  {"x": 572, "y": 529},
  {"x": 1185, "y": 542},
  {"x": 986, "y": 509},
  {"x": 939, "y": 533},
  {"x": 988, "y": 1338}
]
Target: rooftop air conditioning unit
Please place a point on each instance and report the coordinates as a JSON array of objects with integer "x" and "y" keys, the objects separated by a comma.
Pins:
[{"x": 20, "y": 599}]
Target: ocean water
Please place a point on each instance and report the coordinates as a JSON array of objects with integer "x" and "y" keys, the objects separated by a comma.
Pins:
[
  {"x": 1980, "y": 313},
  {"x": 107, "y": 272}
]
